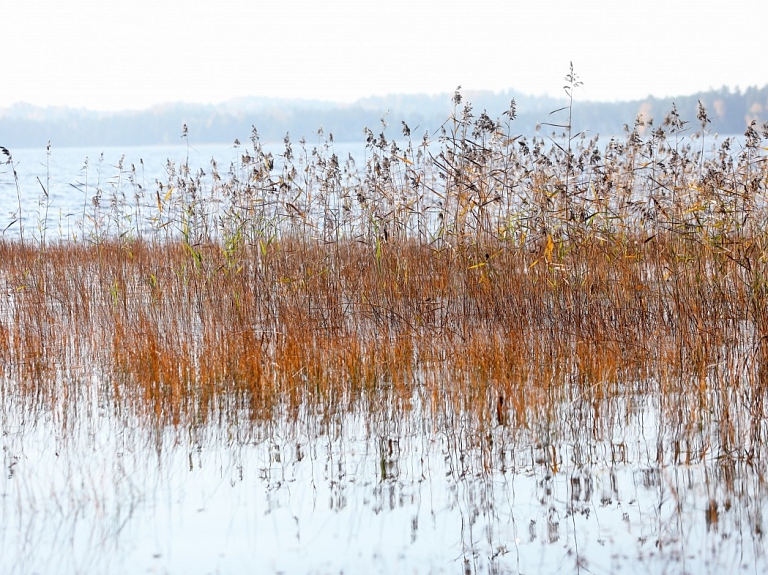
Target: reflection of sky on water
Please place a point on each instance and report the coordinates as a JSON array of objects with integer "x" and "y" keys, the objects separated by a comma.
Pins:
[{"x": 359, "y": 496}]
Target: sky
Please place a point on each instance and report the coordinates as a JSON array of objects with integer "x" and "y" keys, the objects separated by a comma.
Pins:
[{"x": 113, "y": 55}]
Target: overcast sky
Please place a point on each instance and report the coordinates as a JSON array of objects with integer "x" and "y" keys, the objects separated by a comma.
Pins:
[{"x": 109, "y": 54}]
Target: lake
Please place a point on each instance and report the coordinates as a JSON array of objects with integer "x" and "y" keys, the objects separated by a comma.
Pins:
[
  {"x": 618, "y": 493},
  {"x": 73, "y": 176},
  {"x": 308, "y": 405}
]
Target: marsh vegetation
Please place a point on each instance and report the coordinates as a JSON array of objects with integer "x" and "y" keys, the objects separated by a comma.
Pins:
[{"x": 488, "y": 345}]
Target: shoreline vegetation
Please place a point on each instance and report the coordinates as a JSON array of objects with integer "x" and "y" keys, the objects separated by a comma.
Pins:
[
  {"x": 519, "y": 354},
  {"x": 496, "y": 277},
  {"x": 27, "y": 126}
]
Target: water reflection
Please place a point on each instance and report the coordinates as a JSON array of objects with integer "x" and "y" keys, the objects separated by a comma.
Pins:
[{"x": 624, "y": 488}]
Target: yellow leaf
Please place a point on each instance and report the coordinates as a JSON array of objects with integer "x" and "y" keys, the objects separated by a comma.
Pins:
[
  {"x": 168, "y": 195},
  {"x": 549, "y": 248}
]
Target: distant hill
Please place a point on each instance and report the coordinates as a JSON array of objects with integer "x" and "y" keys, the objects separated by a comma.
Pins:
[{"x": 23, "y": 125}]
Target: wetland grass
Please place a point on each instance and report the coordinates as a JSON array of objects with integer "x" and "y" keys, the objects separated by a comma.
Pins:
[
  {"x": 493, "y": 263},
  {"x": 503, "y": 291}
]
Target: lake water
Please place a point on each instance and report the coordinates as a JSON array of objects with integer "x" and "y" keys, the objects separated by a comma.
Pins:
[
  {"x": 73, "y": 176},
  {"x": 635, "y": 482},
  {"x": 397, "y": 493}
]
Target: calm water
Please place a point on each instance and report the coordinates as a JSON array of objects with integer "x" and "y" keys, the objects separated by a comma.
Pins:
[
  {"x": 92, "y": 491},
  {"x": 633, "y": 484},
  {"x": 72, "y": 177}
]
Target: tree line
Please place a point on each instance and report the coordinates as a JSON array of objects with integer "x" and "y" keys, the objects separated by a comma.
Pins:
[{"x": 28, "y": 126}]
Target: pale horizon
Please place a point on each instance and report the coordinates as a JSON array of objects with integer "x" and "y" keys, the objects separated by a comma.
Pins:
[{"x": 111, "y": 56}]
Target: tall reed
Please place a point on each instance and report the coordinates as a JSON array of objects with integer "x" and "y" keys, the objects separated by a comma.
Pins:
[{"x": 484, "y": 273}]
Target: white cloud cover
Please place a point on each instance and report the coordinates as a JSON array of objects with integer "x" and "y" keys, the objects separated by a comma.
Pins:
[{"x": 110, "y": 54}]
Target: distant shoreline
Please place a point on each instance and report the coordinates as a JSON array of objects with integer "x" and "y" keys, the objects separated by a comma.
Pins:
[{"x": 27, "y": 126}]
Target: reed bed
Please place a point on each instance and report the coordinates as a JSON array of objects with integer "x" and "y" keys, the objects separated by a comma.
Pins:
[
  {"x": 534, "y": 329},
  {"x": 482, "y": 276}
]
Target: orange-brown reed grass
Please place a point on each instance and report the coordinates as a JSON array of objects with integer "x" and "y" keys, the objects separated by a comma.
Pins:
[
  {"x": 498, "y": 277},
  {"x": 333, "y": 326}
]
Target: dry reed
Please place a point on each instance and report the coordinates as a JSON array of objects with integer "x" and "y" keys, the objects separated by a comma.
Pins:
[{"x": 496, "y": 276}]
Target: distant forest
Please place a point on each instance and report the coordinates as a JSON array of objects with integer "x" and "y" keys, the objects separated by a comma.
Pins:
[{"x": 23, "y": 125}]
